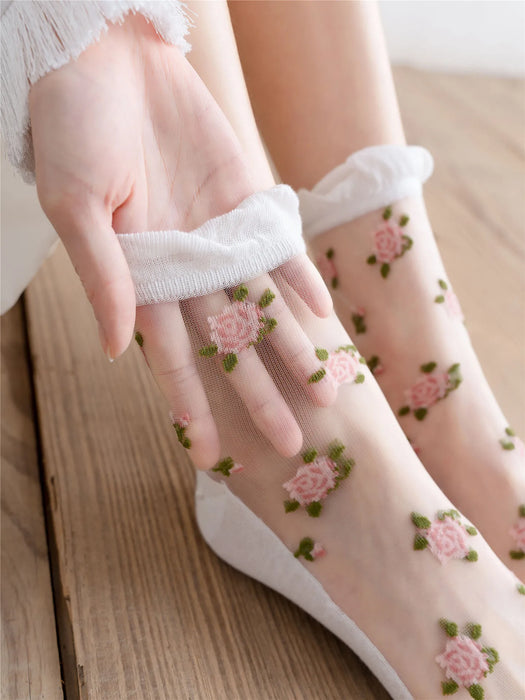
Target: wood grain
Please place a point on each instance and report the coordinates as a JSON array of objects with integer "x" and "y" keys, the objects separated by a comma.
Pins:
[
  {"x": 30, "y": 664},
  {"x": 145, "y": 610}
]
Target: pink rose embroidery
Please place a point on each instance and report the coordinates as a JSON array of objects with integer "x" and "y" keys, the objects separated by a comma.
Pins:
[
  {"x": 464, "y": 661},
  {"x": 227, "y": 466},
  {"x": 343, "y": 367},
  {"x": 327, "y": 268},
  {"x": 312, "y": 481},
  {"x": 427, "y": 391},
  {"x": 237, "y": 467},
  {"x": 318, "y": 551},
  {"x": 180, "y": 425},
  {"x": 517, "y": 532},
  {"x": 447, "y": 539},
  {"x": 389, "y": 243},
  {"x": 430, "y": 389},
  {"x": 315, "y": 479},
  {"x": 236, "y": 327},
  {"x": 182, "y": 422}
]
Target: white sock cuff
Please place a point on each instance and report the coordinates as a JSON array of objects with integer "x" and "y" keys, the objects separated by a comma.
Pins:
[
  {"x": 369, "y": 179},
  {"x": 263, "y": 232}
]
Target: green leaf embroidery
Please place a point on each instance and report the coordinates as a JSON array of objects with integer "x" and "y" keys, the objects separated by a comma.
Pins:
[
  {"x": 181, "y": 436},
  {"x": 449, "y": 687},
  {"x": 521, "y": 511},
  {"x": 510, "y": 432},
  {"x": 208, "y": 351},
  {"x": 371, "y": 260},
  {"x": 454, "y": 369},
  {"x": 240, "y": 293},
  {"x": 476, "y": 691},
  {"x": 387, "y": 213},
  {"x": 443, "y": 284},
  {"x": 335, "y": 282},
  {"x": 360, "y": 378},
  {"x": 404, "y": 219},
  {"x": 452, "y": 513},
  {"x": 420, "y": 542},
  {"x": 429, "y": 367},
  {"x": 407, "y": 244},
  {"x": 266, "y": 299},
  {"x": 507, "y": 445},
  {"x": 473, "y": 631},
  {"x": 269, "y": 325},
  {"x": 314, "y": 509},
  {"x": 359, "y": 323},
  {"x": 471, "y": 530},
  {"x": 517, "y": 554},
  {"x": 362, "y": 361},
  {"x": 449, "y": 627},
  {"x": 330, "y": 253},
  {"x": 385, "y": 270},
  {"x": 403, "y": 410},
  {"x": 290, "y": 506},
  {"x": 493, "y": 657},
  {"x": 420, "y": 521},
  {"x": 317, "y": 376},
  {"x": 309, "y": 456},
  {"x": 305, "y": 549},
  {"x": 420, "y": 413},
  {"x": 139, "y": 338},
  {"x": 372, "y": 364},
  {"x": 224, "y": 466},
  {"x": 521, "y": 588},
  {"x": 321, "y": 354},
  {"x": 229, "y": 362},
  {"x": 336, "y": 450},
  {"x": 440, "y": 299}
]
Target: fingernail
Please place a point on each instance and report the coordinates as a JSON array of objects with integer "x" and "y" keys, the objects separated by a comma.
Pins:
[{"x": 104, "y": 343}]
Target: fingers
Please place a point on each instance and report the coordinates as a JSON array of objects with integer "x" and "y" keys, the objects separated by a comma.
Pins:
[
  {"x": 100, "y": 263},
  {"x": 303, "y": 276},
  {"x": 248, "y": 376},
  {"x": 166, "y": 345},
  {"x": 293, "y": 345}
]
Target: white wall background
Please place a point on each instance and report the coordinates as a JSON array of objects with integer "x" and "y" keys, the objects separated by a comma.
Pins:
[{"x": 457, "y": 35}]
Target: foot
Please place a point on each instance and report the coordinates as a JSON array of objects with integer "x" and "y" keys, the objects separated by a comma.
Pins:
[{"x": 391, "y": 291}]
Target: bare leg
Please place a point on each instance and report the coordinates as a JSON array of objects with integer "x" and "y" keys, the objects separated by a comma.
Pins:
[
  {"x": 319, "y": 80},
  {"x": 321, "y": 86}
]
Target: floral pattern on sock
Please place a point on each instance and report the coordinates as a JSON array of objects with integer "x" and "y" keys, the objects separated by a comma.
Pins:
[
  {"x": 430, "y": 389},
  {"x": 375, "y": 365},
  {"x": 446, "y": 536},
  {"x": 181, "y": 424},
  {"x": 511, "y": 441},
  {"x": 309, "y": 549},
  {"x": 240, "y": 325},
  {"x": 227, "y": 467},
  {"x": 342, "y": 366},
  {"x": 517, "y": 532},
  {"x": 465, "y": 661},
  {"x": 327, "y": 268},
  {"x": 390, "y": 243},
  {"x": 449, "y": 300},
  {"x": 316, "y": 478},
  {"x": 521, "y": 588},
  {"x": 358, "y": 319}
]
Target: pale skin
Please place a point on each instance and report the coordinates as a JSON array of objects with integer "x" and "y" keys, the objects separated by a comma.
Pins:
[{"x": 94, "y": 182}]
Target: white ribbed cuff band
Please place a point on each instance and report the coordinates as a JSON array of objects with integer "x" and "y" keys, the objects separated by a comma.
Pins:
[
  {"x": 263, "y": 232},
  {"x": 369, "y": 179}
]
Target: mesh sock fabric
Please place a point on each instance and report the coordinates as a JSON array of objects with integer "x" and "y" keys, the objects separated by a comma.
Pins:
[
  {"x": 393, "y": 295},
  {"x": 351, "y": 506}
]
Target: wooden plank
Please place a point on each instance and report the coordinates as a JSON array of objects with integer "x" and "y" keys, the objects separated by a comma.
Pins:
[
  {"x": 148, "y": 611},
  {"x": 30, "y": 663}
]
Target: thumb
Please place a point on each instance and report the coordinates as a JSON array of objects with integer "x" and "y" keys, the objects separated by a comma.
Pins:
[{"x": 100, "y": 263}]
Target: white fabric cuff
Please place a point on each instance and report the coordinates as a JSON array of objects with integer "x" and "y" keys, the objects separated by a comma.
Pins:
[
  {"x": 369, "y": 179},
  {"x": 39, "y": 36},
  {"x": 263, "y": 232}
]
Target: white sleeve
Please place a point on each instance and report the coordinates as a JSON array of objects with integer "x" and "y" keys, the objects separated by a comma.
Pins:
[{"x": 41, "y": 35}]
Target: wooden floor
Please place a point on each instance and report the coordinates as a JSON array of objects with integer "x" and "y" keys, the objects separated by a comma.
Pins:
[{"x": 108, "y": 591}]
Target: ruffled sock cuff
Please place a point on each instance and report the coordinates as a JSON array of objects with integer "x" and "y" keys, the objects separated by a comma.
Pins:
[
  {"x": 259, "y": 235},
  {"x": 38, "y": 37},
  {"x": 369, "y": 179}
]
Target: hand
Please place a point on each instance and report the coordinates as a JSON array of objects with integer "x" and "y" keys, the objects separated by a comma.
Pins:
[{"x": 126, "y": 139}]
